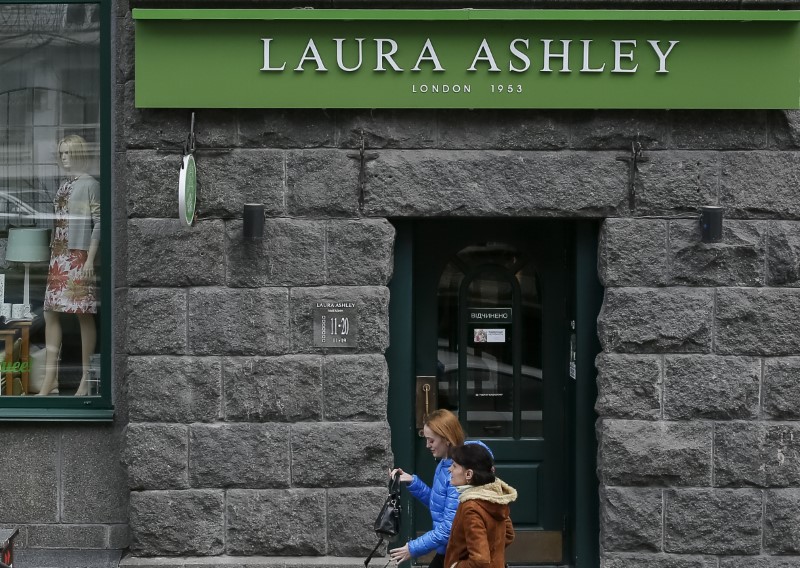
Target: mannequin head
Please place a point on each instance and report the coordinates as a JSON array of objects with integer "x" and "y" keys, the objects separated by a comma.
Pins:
[{"x": 73, "y": 154}]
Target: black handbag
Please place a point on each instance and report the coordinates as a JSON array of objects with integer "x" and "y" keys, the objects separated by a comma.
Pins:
[{"x": 387, "y": 525}]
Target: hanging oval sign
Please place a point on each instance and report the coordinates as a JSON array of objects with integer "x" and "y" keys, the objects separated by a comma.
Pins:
[{"x": 187, "y": 190}]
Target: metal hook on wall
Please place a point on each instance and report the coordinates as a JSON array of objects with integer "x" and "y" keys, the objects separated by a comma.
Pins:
[{"x": 190, "y": 145}]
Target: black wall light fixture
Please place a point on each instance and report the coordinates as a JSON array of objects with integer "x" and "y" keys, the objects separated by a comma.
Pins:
[
  {"x": 253, "y": 226},
  {"x": 711, "y": 223}
]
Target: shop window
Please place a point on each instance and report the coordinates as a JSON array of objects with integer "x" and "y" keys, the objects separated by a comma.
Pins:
[{"x": 54, "y": 192}]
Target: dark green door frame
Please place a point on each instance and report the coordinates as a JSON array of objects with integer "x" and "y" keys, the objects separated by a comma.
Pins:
[
  {"x": 400, "y": 358},
  {"x": 587, "y": 299}
]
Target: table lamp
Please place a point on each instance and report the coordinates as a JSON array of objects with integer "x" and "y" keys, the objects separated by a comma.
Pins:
[{"x": 27, "y": 246}]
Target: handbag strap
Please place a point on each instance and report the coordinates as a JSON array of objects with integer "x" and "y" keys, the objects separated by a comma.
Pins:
[
  {"x": 394, "y": 484},
  {"x": 371, "y": 554}
]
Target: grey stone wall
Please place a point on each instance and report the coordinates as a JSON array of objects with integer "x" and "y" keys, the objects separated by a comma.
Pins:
[
  {"x": 697, "y": 379},
  {"x": 237, "y": 420},
  {"x": 64, "y": 487},
  {"x": 244, "y": 439}
]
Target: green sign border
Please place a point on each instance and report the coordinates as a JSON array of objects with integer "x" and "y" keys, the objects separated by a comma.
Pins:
[
  {"x": 469, "y": 14},
  {"x": 213, "y": 58}
]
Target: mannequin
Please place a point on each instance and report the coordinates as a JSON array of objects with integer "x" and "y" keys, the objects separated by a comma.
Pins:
[{"x": 71, "y": 286}]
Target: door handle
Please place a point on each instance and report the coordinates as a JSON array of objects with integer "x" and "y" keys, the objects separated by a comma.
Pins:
[{"x": 427, "y": 399}]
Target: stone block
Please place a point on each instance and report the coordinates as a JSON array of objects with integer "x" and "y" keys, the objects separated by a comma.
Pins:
[
  {"x": 157, "y": 456},
  {"x": 124, "y": 50},
  {"x": 226, "y": 180},
  {"x": 481, "y": 182},
  {"x": 351, "y": 514},
  {"x": 286, "y": 128},
  {"x": 27, "y": 498},
  {"x": 708, "y": 386},
  {"x": 274, "y": 389},
  {"x": 21, "y": 540},
  {"x": 389, "y": 128},
  {"x": 120, "y": 250},
  {"x": 119, "y": 390},
  {"x": 758, "y": 321},
  {"x": 499, "y": 130},
  {"x": 781, "y": 391},
  {"x": 292, "y": 253},
  {"x": 618, "y": 129},
  {"x": 713, "y": 521},
  {"x": 119, "y": 325},
  {"x": 245, "y": 322},
  {"x": 287, "y": 522},
  {"x": 156, "y": 321},
  {"x": 94, "y": 482},
  {"x": 323, "y": 183},
  {"x": 67, "y": 536},
  {"x": 783, "y": 258},
  {"x": 719, "y": 130},
  {"x": 672, "y": 183},
  {"x": 166, "y": 129},
  {"x": 118, "y": 140},
  {"x": 67, "y": 558},
  {"x": 756, "y": 453},
  {"x": 214, "y": 128},
  {"x": 784, "y": 129},
  {"x": 372, "y": 311},
  {"x": 639, "y": 560},
  {"x": 654, "y": 453},
  {"x": 339, "y": 454},
  {"x": 122, "y": 9},
  {"x": 239, "y": 455},
  {"x": 356, "y": 388},
  {"x": 629, "y": 386},
  {"x": 631, "y": 519},
  {"x": 156, "y": 128},
  {"x": 759, "y": 184},
  {"x": 151, "y": 180},
  {"x": 781, "y": 529},
  {"x": 642, "y": 320},
  {"x": 247, "y": 263},
  {"x": 737, "y": 260},
  {"x": 173, "y": 244},
  {"x": 119, "y": 536},
  {"x": 738, "y": 456},
  {"x": 174, "y": 389},
  {"x": 633, "y": 252},
  {"x": 359, "y": 253},
  {"x": 759, "y": 562},
  {"x": 177, "y": 523}
]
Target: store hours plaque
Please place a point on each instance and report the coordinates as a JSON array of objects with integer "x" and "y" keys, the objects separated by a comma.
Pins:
[{"x": 335, "y": 324}]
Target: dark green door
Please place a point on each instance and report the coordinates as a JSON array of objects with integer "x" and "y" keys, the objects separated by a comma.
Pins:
[{"x": 491, "y": 328}]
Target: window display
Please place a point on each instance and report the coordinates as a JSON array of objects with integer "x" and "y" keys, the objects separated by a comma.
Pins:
[{"x": 50, "y": 194}]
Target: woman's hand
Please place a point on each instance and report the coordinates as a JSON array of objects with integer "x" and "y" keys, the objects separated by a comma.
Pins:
[
  {"x": 400, "y": 554},
  {"x": 404, "y": 477}
]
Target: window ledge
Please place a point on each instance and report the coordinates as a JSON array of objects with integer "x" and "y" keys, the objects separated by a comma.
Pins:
[{"x": 55, "y": 415}]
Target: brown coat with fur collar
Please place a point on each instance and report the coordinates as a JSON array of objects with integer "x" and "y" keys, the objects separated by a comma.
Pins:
[{"x": 482, "y": 527}]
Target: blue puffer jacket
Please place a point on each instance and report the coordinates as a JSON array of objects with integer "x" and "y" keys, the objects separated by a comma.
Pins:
[{"x": 442, "y": 501}]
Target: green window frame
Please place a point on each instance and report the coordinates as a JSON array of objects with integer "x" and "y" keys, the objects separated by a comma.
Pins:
[{"x": 95, "y": 406}]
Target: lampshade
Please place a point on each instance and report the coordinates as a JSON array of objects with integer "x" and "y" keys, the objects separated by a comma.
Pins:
[{"x": 28, "y": 245}]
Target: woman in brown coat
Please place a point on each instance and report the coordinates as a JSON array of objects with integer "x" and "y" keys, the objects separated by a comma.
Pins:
[{"x": 482, "y": 527}]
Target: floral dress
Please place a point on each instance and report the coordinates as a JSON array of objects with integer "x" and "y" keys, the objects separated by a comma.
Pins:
[{"x": 67, "y": 291}]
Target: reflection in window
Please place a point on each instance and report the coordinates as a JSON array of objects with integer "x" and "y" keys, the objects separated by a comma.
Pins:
[
  {"x": 487, "y": 294},
  {"x": 49, "y": 198}
]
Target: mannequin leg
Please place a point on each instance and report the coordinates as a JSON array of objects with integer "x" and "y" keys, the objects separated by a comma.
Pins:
[
  {"x": 88, "y": 343},
  {"x": 52, "y": 338}
]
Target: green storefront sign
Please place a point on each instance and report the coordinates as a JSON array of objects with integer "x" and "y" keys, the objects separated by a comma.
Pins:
[{"x": 715, "y": 59}]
